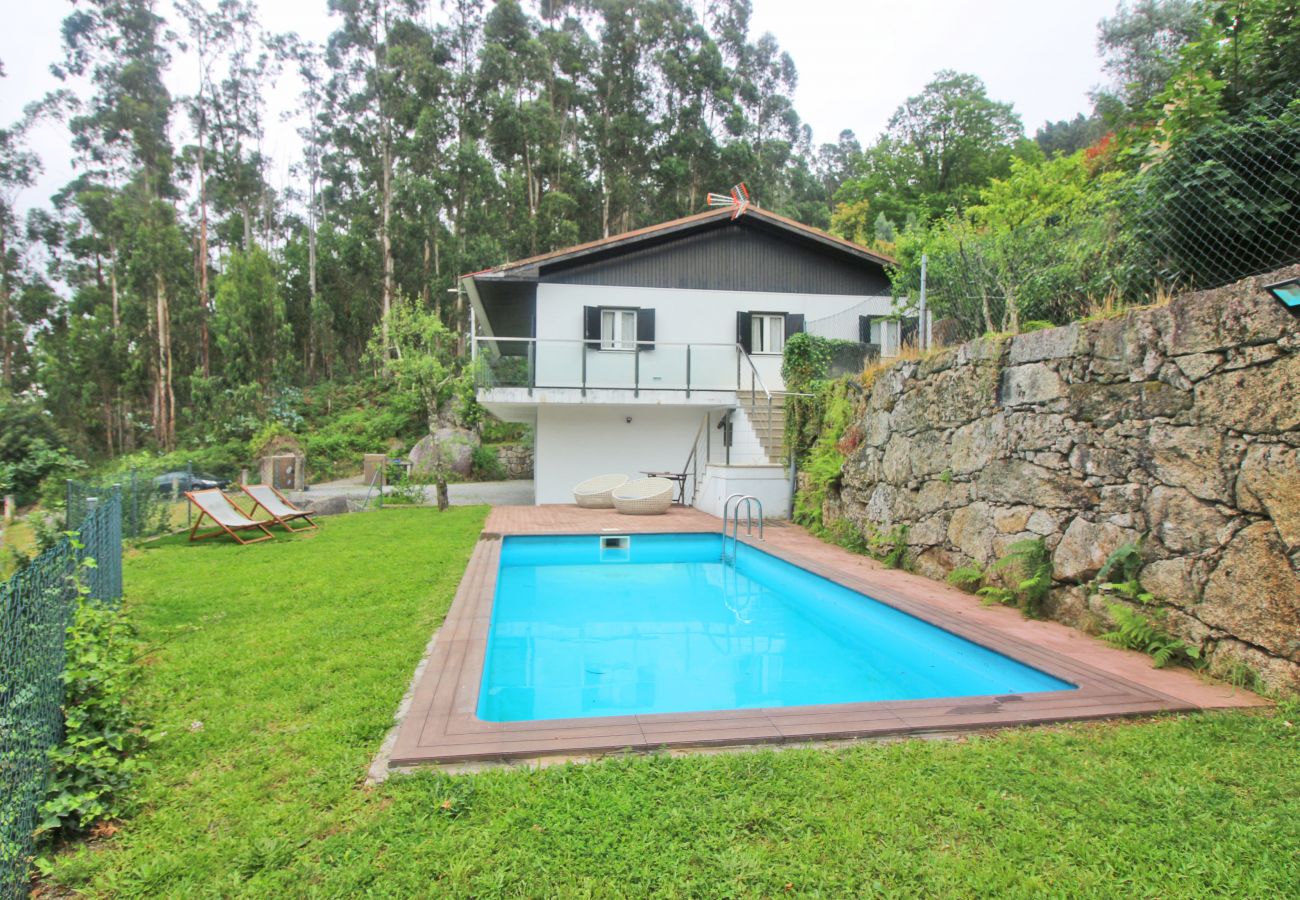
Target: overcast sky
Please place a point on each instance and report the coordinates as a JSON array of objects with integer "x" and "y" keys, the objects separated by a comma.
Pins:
[{"x": 857, "y": 60}]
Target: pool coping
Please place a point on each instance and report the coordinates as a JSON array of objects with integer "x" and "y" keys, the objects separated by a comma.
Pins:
[{"x": 440, "y": 725}]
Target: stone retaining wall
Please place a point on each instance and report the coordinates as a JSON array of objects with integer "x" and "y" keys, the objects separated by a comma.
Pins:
[
  {"x": 1180, "y": 423},
  {"x": 517, "y": 460}
]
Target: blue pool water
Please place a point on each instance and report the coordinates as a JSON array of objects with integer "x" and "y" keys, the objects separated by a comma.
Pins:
[{"x": 663, "y": 626}]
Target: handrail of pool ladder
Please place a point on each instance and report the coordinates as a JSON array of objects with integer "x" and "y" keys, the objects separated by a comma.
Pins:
[
  {"x": 748, "y": 501},
  {"x": 726, "y": 508}
]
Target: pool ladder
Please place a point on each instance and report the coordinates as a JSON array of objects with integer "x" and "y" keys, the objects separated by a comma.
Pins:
[{"x": 748, "y": 501}]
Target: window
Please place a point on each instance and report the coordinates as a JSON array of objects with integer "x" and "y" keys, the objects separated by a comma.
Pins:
[
  {"x": 768, "y": 332},
  {"x": 618, "y": 329}
]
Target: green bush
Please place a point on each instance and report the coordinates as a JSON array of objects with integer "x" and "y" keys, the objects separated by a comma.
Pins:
[
  {"x": 486, "y": 465},
  {"x": 30, "y": 450},
  {"x": 823, "y": 463},
  {"x": 95, "y": 768}
]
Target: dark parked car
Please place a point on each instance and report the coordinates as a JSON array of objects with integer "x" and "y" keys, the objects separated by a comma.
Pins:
[{"x": 188, "y": 481}]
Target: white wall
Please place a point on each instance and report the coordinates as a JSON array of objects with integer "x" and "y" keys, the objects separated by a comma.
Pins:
[
  {"x": 574, "y": 443},
  {"x": 681, "y": 316}
]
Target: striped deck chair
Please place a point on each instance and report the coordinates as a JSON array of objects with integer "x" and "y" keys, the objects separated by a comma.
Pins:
[
  {"x": 277, "y": 506},
  {"x": 228, "y": 517}
]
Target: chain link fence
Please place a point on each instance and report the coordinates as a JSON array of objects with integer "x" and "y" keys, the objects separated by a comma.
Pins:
[
  {"x": 36, "y": 607},
  {"x": 153, "y": 501},
  {"x": 1208, "y": 208}
]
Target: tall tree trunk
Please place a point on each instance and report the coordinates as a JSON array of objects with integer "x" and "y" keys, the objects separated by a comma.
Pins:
[
  {"x": 6, "y": 351},
  {"x": 165, "y": 405},
  {"x": 425, "y": 287},
  {"x": 204, "y": 340},
  {"x": 112, "y": 287},
  {"x": 386, "y": 242}
]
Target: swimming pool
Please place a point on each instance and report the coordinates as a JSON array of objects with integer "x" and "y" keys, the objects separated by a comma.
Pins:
[{"x": 656, "y": 623}]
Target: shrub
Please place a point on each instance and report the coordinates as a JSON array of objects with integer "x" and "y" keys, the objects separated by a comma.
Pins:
[
  {"x": 30, "y": 450},
  {"x": 823, "y": 463},
  {"x": 94, "y": 769},
  {"x": 486, "y": 465}
]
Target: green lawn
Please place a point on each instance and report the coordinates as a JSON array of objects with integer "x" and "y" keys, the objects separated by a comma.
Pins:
[{"x": 293, "y": 656}]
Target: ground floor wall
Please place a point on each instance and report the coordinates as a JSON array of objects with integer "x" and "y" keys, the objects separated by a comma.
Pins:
[{"x": 574, "y": 443}]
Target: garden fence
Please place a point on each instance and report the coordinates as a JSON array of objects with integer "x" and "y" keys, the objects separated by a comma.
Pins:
[
  {"x": 36, "y": 607},
  {"x": 1219, "y": 204},
  {"x": 150, "y": 500}
]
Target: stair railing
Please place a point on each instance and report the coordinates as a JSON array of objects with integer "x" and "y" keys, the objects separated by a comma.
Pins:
[
  {"x": 692, "y": 466},
  {"x": 756, "y": 380}
]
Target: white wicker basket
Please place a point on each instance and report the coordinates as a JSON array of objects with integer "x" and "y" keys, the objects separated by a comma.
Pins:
[
  {"x": 595, "y": 493},
  {"x": 644, "y": 497}
]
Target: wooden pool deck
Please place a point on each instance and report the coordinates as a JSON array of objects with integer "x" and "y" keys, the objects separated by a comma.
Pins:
[{"x": 440, "y": 725}]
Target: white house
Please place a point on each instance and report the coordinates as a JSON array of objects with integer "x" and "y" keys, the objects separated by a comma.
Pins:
[{"x": 659, "y": 350}]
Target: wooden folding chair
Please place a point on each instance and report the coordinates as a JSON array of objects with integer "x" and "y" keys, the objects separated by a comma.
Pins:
[
  {"x": 277, "y": 506},
  {"x": 229, "y": 519}
]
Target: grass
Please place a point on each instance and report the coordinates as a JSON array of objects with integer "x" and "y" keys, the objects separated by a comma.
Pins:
[
  {"x": 18, "y": 539},
  {"x": 292, "y": 655}
]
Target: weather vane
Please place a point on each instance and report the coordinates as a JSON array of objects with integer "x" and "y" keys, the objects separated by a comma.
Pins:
[{"x": 738, "y": 199}]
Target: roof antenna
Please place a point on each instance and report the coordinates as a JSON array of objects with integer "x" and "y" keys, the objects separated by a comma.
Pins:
[{"x": 738, "y": 199}]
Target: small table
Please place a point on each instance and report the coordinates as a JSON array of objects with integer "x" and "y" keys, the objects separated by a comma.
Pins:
[{"x": 678, "y": 477}]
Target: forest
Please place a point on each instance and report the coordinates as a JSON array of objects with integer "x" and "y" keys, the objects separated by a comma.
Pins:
[{"x": 170, "y": 299}]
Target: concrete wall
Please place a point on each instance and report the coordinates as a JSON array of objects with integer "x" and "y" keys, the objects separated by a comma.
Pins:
[
  {"x": 770, "y": 484},
  {"x": 681, "y": 317},
  {"x": 574, "y": 443},
  {"x": 1180, "y": 424}
]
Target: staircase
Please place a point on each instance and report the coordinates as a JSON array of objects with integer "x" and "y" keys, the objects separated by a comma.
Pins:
[{"x": 768, "y": 423}]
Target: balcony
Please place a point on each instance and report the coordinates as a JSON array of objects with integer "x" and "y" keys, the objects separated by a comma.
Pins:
[{"x": 532, "y": 370}]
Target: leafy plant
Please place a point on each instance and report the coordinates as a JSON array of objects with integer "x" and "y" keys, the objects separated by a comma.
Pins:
[
  {"x": 966, "y": 577},
  {"x": 401, "y": 489},
  {"x": 1134, "y": 629},
  {"x": 486, "y": 466},
  {"x": 1126, "y": 561},
  {"x": 823, "y": 462},
  {"x": 889, "y": 547},
  {"x": 1032, "y": 577},
  {"x": 96, "y": 766}
]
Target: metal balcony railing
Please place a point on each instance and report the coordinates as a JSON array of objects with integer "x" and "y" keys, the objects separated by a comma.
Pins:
[{"x": 541, "y": 363}]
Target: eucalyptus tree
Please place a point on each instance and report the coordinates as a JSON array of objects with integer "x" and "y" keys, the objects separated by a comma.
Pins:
[
  {"x": 619, "y": 125},
  {"x": 691, "y": 95},
  {"x": 238, "y": 110},
  {"x": 19, "y": 166},
  {"x": 317, "y": 322},
  {"x": 358, "y": 54},
  {"x": 121, "y": 136},
  {"x": 207, "y": 38},
  {"x": 512, "y": 68}
]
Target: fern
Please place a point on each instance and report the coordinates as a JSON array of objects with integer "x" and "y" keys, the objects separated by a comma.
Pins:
[
  {"x": 995, "y": 593},
  {"x": 1033, "y": 564},
  {"x": 966, "y": 577},
  {"x": 1135, "y": 630},
  {"x": 890, "y": 547}
]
